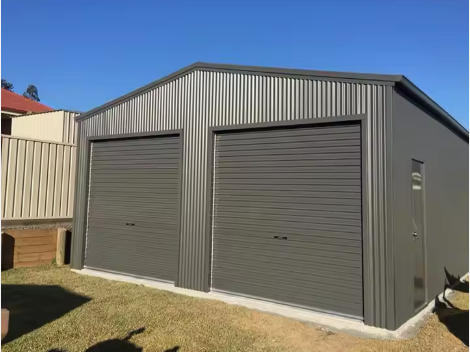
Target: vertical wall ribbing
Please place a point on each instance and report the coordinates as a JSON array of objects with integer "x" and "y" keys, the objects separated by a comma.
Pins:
[{"x": 201, "y": 100}]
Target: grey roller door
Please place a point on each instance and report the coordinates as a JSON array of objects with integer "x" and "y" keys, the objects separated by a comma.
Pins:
[
  {"x": 134, "y": 207},
  {"x": 287, "y": 216}
]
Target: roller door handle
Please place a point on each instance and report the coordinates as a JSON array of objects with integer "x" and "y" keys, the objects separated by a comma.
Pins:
[
  {"x": 279, "y": 238},
  {"x": 130, "y": 224}
]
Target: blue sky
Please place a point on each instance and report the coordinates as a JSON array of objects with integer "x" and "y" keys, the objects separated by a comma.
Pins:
[{"x": 82, "y": 53}]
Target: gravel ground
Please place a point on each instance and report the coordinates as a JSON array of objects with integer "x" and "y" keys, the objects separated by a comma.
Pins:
[{"x": 71, "y": 312}]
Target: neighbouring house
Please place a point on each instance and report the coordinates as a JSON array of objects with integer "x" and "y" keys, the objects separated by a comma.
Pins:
[
  {"x": 15, "y": 105},
  {"x": 343, "y": 193}
]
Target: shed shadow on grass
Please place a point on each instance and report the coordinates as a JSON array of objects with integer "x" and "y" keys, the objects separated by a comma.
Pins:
[
  {"x": 32, "y": 306},
  {"x": 118, "y": 345}
]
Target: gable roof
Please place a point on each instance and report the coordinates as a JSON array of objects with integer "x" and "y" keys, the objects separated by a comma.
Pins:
[
  {"x": 400, "y": 81},
  {"x": 18, "y": 103}
]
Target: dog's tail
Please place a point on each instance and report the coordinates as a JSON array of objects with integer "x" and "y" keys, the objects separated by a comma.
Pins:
[{"x": 134, "y": 332}]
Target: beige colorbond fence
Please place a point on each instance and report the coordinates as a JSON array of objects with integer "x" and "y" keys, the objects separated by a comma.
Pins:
[
  {"x": 58, "y": 126},
  {"x": 38, "y": 179}
]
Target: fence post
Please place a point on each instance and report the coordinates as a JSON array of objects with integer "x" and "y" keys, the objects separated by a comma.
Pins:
[{"x": 60, "y": 252}]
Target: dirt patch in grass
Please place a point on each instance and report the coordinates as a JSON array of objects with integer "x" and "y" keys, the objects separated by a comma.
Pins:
[{"x": 105, "y": 310}]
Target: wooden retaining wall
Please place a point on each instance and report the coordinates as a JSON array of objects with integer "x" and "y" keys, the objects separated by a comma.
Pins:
[{"x": 28, "y": 247}]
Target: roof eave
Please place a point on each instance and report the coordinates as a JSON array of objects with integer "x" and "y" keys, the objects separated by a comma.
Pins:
[
  {"x": 299, "y": 73},
  {"x": 151, "y": 85},
  {"x": 443, "y": 116},
  {"x": 306, "y": 74},
  {"x": 19, "y": 111},
  {"x": 395, "y": 80}
]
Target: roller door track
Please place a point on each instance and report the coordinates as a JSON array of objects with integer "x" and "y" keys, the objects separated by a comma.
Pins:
[
  {"x": 287, "y": 219},
  {"x": 134, "y": 207}
]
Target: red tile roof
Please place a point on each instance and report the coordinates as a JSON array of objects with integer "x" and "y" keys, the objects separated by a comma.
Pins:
[{"x": 18, "y": 103}]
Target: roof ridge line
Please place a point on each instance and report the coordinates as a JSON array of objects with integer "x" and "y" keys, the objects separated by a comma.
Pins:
[
  {"x": 199, "y": 65},
  {"x": 301, "y": 72}
]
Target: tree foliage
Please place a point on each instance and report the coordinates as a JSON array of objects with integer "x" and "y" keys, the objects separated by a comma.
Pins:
[
  {"x": 32, "y": 93},
  {"x": 7, "y": 85}
]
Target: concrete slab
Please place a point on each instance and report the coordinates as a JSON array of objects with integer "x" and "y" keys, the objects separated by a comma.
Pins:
[{"x": 316, "y": 319}]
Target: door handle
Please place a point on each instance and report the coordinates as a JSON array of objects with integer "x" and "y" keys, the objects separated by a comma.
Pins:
[{"x": 415, "y": 235}]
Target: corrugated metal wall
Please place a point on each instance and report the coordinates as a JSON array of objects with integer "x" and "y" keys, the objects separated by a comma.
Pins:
[
  {"x": 37, "y": 179},
  {"x": 446, "y": 174},
  {"x": 202, "y": 99},
  {"x": 69, "y": 129},
  {"x": 54, "y": 126}
]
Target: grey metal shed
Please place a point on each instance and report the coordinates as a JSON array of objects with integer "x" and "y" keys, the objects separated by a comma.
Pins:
[{"x": 338, "y": 192}]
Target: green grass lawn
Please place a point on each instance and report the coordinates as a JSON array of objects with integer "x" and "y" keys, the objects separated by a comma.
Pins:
[{"x": 54, "y": 308}]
